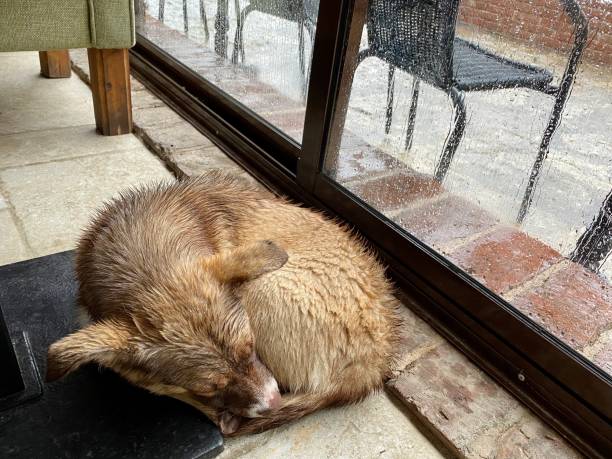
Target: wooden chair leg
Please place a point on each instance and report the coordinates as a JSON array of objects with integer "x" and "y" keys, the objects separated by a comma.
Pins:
[
  {"x": 109, "y": 71},
  {"x": 55, "y": 64}
]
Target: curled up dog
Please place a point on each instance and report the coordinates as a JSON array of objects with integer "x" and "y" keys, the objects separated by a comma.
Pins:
[{"x": 223, "y": 296}]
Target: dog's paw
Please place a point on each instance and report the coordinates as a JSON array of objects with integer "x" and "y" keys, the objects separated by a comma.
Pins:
[{"x": 229, "y": 423}]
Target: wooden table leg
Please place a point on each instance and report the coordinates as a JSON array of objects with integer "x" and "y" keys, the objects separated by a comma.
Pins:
[
  {"x": 110, "y": 84},
  {"x": 55, "y": 64}
]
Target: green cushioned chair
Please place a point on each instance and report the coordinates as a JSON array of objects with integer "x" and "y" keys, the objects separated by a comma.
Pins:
[{"x": 105, "y": 27}]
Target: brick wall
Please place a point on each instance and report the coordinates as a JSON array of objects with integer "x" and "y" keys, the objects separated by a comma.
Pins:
[{"x": 543, "y": 23}]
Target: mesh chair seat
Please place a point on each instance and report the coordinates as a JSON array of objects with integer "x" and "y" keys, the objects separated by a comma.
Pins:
[
  {"x": 477, "y": 69},
  {"x": 283, "y": 9}
]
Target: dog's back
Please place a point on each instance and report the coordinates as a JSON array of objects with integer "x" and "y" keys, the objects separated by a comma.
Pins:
[{"x": 149, "y": 236}]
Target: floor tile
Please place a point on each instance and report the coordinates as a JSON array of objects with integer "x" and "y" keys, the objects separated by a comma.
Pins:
[
  {"x": 55, "y": 200},
  {"x": 48, "y": 145},
  {"x": 12, "y": 248},
  {"x": 31, "y": 102},
  {"x": 376, "y": 428}
]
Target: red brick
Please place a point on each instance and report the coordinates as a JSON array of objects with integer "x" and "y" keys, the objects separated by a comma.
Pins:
[
  {"x": 505, "y": 258},
  {"x": 444, "y": 221},
  {"x": 542, "y": 22},
  {"x": 533, "y": 439},
  {"x": 574, "y": 304},
  {"x": 396, "y": 190},
  {"x": 363, "y": 161},
  {"x": 455, "y": 398},
  {"x": 415, "y": 336}
]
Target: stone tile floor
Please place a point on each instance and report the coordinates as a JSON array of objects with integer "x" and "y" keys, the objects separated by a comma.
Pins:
[{"x": 54, "y": 170}]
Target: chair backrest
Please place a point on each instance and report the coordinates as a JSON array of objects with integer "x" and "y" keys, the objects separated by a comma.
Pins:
[{"x": 416, "y": 36}]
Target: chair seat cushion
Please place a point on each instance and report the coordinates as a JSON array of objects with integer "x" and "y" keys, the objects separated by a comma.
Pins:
[
  {"x": 477, "y": 69},
  {"x": 40, "y": 25}
]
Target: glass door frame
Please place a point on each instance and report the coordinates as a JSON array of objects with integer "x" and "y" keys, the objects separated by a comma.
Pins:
[{"x": 556, "y": 382}]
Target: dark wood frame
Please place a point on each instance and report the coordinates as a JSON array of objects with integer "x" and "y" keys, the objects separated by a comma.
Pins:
[{"x": 560, "y": 385}]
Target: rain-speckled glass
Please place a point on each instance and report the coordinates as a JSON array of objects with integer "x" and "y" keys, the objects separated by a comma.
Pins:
[
  {"x": 484, "y": 129},
  {"x": 258, "y": 51}
]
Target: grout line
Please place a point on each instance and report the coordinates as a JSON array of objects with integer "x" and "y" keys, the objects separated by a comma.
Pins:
[
  {"x": 50, "y": 130},
  {"x": 367, "y": 178},
  {"x": 407, "y": 360},
  {"x": 16, "y": 220},
  {"x": 458, "y": 243},
  {"x": 32, "y": 131},
  {"x": 416, "y": 204},
  {"x": 597, "y": 344},
  {"x": 535, "y": 281},
  {"x": 69, "y": 158}
]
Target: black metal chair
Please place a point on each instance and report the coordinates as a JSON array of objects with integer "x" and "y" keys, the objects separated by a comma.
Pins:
[
  {"x": 418, "y": 37},
  {"x": 303, "y": 12},
  {"x": 595, "y": 244},
  {"x": 161, "y": 12}
]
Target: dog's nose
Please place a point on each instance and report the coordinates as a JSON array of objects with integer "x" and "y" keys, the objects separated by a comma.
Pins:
[{"x": 274, "y": 400}]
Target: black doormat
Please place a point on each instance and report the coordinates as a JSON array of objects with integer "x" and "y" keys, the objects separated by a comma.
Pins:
[{"x": 92, "y": 413}]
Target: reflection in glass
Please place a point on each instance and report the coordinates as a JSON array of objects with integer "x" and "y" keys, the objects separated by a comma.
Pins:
[{"x": 258, "y": 51}]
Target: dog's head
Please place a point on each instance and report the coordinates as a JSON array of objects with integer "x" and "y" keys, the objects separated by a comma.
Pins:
[{"x": 199, "y": 347}]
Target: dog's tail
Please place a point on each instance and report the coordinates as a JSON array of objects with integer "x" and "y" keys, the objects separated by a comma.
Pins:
[{"x": 294, "y": 407}]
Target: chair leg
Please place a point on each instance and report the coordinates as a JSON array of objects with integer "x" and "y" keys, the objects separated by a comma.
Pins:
[
  {"x": 414, "y": 100},
  {"x": 109, "y": 71},
  {"x": 301, "y": 50},
  {"x": 595, "y": 244},
  {"x": 160, "y": 14},
  {"x": 454, "y": 136},
  {"x": 363, "y": 55},
  {"x": 55, "y": 64},
  {"x": 238, "y": 38},
  {"x": 204, "y": 19},
  {"x": 311, "y": 34},
  {"x": 565, "y": 88},
  {"x": 185, "y": 18},
  {"x": 390, "y": 92}
]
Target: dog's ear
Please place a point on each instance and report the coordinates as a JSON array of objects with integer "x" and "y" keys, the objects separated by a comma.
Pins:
[
  {"x": 246, "y": 262},
  {"x": 99, "y": 342}
]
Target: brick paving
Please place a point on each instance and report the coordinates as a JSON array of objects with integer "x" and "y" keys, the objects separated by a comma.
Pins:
[
  {"x": 439, "y": 384},
  {"x": 505, "y": 258}
]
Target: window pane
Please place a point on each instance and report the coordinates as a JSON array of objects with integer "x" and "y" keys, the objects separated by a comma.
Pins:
[
  {"x": 266, "y": 67},
  {"x": 450, "y": 108}
]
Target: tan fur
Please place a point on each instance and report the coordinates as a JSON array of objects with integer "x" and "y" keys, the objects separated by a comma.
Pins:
[{"x": 185, "y": 264}]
